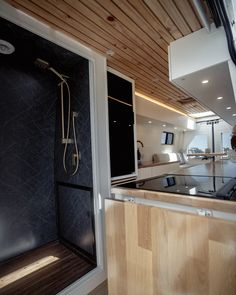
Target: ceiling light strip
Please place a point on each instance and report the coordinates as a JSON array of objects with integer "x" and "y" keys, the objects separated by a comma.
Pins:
[{"x": 159, "y": 103}]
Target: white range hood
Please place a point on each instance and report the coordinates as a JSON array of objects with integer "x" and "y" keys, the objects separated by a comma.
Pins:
[{"x": 203, "y": 56}]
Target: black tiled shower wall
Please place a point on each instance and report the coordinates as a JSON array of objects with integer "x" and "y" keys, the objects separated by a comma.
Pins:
[
  {"x": 30, "y": 147},
  {"x": 27, "y": 120}
]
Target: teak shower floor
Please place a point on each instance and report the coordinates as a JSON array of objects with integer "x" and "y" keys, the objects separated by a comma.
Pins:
[{"x": 43, "y": 271}]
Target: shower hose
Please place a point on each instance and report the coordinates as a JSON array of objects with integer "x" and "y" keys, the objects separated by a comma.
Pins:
[{"x": 74, "y": 115}]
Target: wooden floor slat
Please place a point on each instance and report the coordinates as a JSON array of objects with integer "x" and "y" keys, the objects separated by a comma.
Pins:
[{"x": 64, "y": 268}]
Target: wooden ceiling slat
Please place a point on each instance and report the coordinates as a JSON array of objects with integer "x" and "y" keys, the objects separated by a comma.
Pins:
[
  {"x": 143, "y": 26},
  {"x": 188, "y": 14},
  {"x": 79, "y": 21},
  {"x": 84, "y": 30},
  {"x": 148, "y": 15},
  {"x": 47, "y": 6},
  {"x": 166, "y": 84},
  {"x": 176, "y": 16},
  {"x": 31, "y": 8},
  {"x": 135, "y": 50},
  {"x": 128, "y": 22},
  {"x": 138, "y": 32},
  {"x": 138, "y": 44},
  {"x": 161, "y": 14},
  {"x": 142, "y": 65}
]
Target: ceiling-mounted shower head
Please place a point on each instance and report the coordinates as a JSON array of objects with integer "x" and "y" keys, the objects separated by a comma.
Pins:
[{"x": 42, "y": 64}]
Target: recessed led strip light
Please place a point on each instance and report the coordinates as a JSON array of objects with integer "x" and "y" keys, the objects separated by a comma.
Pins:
[
  {"x": 228, "y": 108},
  {"x": 159, "y": 103},
  {"x": 205, "y": 81},
  {"x": 220, "y": 97}
]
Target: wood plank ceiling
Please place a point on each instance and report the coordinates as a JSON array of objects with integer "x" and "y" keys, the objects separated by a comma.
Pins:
[{"x": 133, "y": 34}]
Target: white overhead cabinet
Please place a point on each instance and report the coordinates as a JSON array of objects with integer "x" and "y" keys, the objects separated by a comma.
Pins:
[
  {"x": 122, "y": 133},
  {"x": 200, "y": 64}
]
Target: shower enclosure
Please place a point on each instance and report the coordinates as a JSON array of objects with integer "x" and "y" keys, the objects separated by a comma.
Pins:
[{"x": 47, "y": 184}]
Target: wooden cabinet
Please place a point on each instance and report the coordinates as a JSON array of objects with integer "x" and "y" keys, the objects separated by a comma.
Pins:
[
  {"x": 155, "y": 251},
  {"x": 122, "y": 130}
]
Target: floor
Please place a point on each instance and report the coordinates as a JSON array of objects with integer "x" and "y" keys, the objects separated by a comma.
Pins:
[{"x": 46, "y": 271}]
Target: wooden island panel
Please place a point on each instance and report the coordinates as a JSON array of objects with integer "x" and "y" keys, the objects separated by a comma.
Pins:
[{"x": 156, "y": 251}]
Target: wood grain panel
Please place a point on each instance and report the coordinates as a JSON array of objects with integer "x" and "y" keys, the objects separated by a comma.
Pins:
[
  {"x": 188, "y": 14},
  {"x": 186, "y": 257},
  {"x": 116, "y": 248},
  {"x": 34, "y": 274},
  {"x": 176, "y": 16},
  {"x": 163, "y": 16},
  {"x": 139, "y": 266},
  {"x": 144, "y": 227},
  {"x": 222, "y": 273},
  {"x": 137, "y": 31}
]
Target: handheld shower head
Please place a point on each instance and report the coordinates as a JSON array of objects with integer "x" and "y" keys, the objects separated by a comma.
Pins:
[{"x": 42, "y": 64}]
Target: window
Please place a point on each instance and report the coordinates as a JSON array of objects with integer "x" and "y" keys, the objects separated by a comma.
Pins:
[
  {"x": 226, "y": 141},
  {"x": 198, "y": 144},
  {"x": 167, "y": 137}
]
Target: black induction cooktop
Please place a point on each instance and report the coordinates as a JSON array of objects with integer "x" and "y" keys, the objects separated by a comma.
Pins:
[{"x": 194, "y": 185}]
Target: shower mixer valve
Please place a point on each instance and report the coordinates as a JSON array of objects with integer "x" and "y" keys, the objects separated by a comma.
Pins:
[
  {"x": 68, "y": 141},
  {"x": 75, "y": 158}
]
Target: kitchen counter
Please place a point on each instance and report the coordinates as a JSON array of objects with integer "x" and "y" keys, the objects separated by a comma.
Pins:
[{"x": 223, "y": 168}]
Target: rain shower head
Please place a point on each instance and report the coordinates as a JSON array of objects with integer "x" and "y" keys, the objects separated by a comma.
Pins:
[{"x": 42, "y": 64}]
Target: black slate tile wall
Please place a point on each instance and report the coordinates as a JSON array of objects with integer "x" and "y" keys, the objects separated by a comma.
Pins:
[
  {"x": 27, "y": 120},
  {"x": 30, "y": 148},
  {"x": 76, "y": 216}
]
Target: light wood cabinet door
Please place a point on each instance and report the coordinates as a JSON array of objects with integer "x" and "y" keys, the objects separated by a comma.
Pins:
[{"x": 154, "y": 251}]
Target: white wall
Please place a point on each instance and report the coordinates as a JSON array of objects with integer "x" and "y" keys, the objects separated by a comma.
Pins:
[{"x": 150, "y": 135}]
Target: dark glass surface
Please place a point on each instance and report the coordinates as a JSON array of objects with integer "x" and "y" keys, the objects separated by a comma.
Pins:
[
  {"x": 121, "y": 132},
  {"x": 119, "y": 88},
  {"x": 194, "y": 185}
]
